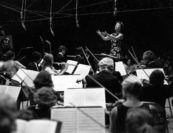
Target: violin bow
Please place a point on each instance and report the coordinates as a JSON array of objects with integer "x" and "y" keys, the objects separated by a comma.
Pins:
[
  {"x": 87, "y": 59},
  {"x": 92, "y": 54},
  {"x": 137, "y": 62}
]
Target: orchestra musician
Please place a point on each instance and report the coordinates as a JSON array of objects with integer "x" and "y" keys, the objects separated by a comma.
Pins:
[
  {"x": 47, "y": 65},
  {"x": 115, "y": 39}
]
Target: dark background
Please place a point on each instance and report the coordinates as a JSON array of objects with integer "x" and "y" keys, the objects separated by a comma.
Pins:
[{"x": 148, "y": 24}]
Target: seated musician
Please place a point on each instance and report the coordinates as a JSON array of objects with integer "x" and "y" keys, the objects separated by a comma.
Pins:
[
  {"x": 106, "y": 77},
  {"x": 132, "y": 90},
  {"x": 47, "y": 65},
  {"x": 150, "y": 60},
  {"x": 33, "y": 65},
  {"x": 44, "y": 98},
  {"x": 155, "y": 90},
  {"x": 43, "y": 79},
  {"x": 61, "y": 56}
]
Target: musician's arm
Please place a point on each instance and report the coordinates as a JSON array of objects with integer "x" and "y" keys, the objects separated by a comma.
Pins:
[
  {"x": 105, "y": 38},
  {"x": 118, "y": 37}
]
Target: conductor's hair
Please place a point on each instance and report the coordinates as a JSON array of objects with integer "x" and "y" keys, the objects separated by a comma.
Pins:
[{"x": 121, "y": 23}]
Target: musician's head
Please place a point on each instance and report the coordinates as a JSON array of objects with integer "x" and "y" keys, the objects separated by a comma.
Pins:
[
  {"x": 48, "y": 60},
  {"x": 43, "y": 79},
  {"x": 45, "y": 97},
  {"x": 9, "y": 55},
  {"x": 106, "y": 64},
  {"x": 148, "y": 56},
  {"x": 62, "y": 49},
  {"x": 131, "y": 87},
  {"x": 118, "y": 26},
  {"x": 157, "y": 78},
  {"x": 10, "y": 68}
]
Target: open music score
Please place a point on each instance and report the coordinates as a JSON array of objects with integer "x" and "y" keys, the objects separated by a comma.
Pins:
[
  {"x": 71, "y": 66},
  {"x": 63, "y": 82},
  {"x": 85, "y": 97},
  {"x": 12, "y": 91}
]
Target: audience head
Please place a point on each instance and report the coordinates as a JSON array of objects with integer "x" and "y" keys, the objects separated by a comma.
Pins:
[
  {"x": 106, "y": 64},
  {"x": 43, "y": 79},
  {"x": 8, "y": 112},
  {"x": 45, "y": 97},
  {"x": 139, "y": 120},
  {"x": 157, "y": 78},
  {"x": 131, "y": 87}
]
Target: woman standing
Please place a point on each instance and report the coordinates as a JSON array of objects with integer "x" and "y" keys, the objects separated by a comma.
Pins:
[{"x": 115, "y": 38}]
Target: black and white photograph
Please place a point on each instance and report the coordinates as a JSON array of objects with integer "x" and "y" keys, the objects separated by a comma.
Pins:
[{"x": 86, "y": 66}]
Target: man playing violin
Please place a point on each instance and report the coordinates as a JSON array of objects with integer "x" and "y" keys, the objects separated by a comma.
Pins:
[{"x": 115, "y": 38}]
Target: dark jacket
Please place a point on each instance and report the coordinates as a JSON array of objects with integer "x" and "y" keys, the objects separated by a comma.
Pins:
[
  {"x": 109, "y": 81},
  {"x": 157, "y": 94}
]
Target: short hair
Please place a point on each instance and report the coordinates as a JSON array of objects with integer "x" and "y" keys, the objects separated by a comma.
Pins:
[
  {"x": 149, "y": 55},
  {"x": 132, "y": 85},
  {"x": 121, "y": 23},
  {"x": 43, "y": 79},
  {"x": 45, "y": 97},
  {"x": 62, "y": 47},
  {"x": 139, "y": 120},
  {"x": 157, "y": 77},
  {"x": 48, "y": 59},
  {"x": 106, "y": 63}
]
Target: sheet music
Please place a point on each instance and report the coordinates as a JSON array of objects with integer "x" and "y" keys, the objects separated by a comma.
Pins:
[
  {"x": 71, "y": 66},
  {"x": 32, "y": 75},
  {"x": 86, "y": 125},
  {"x": 25, "y": 75},
  {"x": 82, "y": 70},
  {"x": 119, "y": 66},
  {"x": 36, "y": 126},
  {"x": 63, "y": 82},
  {"x": 74, "y": 121},
  {"x": 144, "y": 73},
  {"x": 85, "y": 97},
  {"x": 67, "y": 116},
  {"x": 11, "y": 91},
  {"x": 19, "y": 76}
]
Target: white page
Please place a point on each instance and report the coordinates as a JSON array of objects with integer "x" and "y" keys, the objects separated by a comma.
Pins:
[
  {"x": 12, "y": 91},
  {"x": 21, "y": 126},
  {"x": 30, "y": 77},
  {"x": 41, "y": 126},
  {"x": 68, "y": 118},
  {"x": 75, "y": 121},
  {"x": 63, "y": 82},
  {"x": 85, "y": 97},
  {"x": 86, "y": 125},
  {"x": 119, "y": 67},
  {"x": 82, "y": 70},
  {"x": 145, "y": 73},
  {"x": 71, "y": 66},
  {"x": 19, "y": 76}
]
